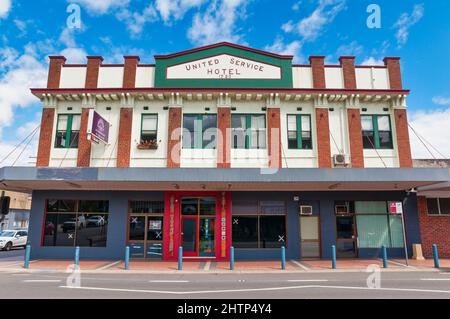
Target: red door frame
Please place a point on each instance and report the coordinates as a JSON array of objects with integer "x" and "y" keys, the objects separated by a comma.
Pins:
[{"x": 176, "y": 240}]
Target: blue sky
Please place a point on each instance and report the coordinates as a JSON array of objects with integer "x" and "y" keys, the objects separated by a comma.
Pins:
[{"x": 417, "y": 31}]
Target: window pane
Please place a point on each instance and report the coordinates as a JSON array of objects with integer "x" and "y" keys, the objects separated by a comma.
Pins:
[
  {"x": 155, "y": 228},
  {"x": 385, "y": 139},
  {"x": 344, "y": 227},
  {"x": 76, "y": 122},
  {"x": 366, "y": 123},
  {"x": 444, "y": 204},
  {"x": 432, "y": 205},
  {"x": 366, "y": 207},
  {"x": 368, "y": 140},
  {"x": 75, "y": 135},
  {"x": 207, "y": 206},
  {"x": 60, "y": 139},
  {"x": 189, "y": 206},
  {"x": 62, "y": 122},
  {"x": 373, "y": 231},
  {"x": 65, "y": 229},
  {"x": 306, "y": 123},
  {"x": 151, "y": 207},
  {"x": 258, "y": 121},
  {"x": 273, "y": 208},
  {"x": 395, "y": 224},
  {"x": 238, "y": 131},
  {"x": 244, "y": 232},
  {"x": 189, "y": 130},
  {"x": 58, "y": 205},
  {"x": 244, "y": 207},
  {"x": 137, "y": 228},
  {"x": 292, "y": 139},
  {"x": 292, "y": 123},
  {"x": 51, "y": 221},
  {"x": 383, "y": 123},
  {"x": 94, "y": 206},
  {"x": 92, "y": 231},
  {"x": 272, "y": 230},
  {"x": 149, "y": 122},
  {"x": 209, "y": 131}
]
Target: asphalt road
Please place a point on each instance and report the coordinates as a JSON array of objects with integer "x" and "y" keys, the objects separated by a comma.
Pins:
[
  {"x": 226, "y": 286},
  {"x": 15, "y": 254}
]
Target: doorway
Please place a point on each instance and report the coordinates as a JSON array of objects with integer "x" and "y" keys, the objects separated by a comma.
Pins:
[
  {"x": 310, "y": 237},
  {"x": 346, "y": 245}
]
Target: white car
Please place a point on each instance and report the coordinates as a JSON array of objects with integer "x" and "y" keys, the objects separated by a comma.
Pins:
[{"x": 13, "y": 238}]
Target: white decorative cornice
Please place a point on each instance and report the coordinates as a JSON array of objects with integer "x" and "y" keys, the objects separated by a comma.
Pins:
[
  {"x": 88, "y": 100},
  {"x": 352, "y": 101},
  {"x": 273, "y": 100},
  {"x": 49, "y": 100},
  {"x": 321, "y": 100},
  {"x": 399, "y": 102},
  {"x": 224, "y": 100},
  {"x": 126, "y": 100},
  {"x": 175, "y": 100}
]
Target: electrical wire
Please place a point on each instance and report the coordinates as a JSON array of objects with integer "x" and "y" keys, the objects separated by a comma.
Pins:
[
  {"x": 23, "y": 149},
  {"x": 18, "y": 145},
  {"x": 376, "y": 151},
  {"x": 423, "y": 140}
]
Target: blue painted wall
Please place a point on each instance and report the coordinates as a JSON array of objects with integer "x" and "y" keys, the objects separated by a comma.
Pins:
[{"x": 322, "y": 202}]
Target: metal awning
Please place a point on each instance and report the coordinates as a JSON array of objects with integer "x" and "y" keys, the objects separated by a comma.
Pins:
[{"x": 26, "y": 179}]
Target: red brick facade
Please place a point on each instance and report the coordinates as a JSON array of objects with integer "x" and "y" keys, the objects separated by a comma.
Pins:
[
  {"x": 129, "y": 72},
  {"x": 323, "y": 138},
  {"x": 45, "y": 137},
  {"x": 355, "y": 135},
  {"x": 318, "y": 71},
  {"x": 274, "y": 137},
  {"x": 124, "y": 142},
  {"x": 403, "y": 143},
  {"x": 433, "y": 230},
  {"x": 174, "y": 138},
  {"x": 84, "y": 146},
  {"x": 54, "y": 71},
  {"x": 223, "y": 143},
  {"x": 348, "y": 72},
  {"x": 395, "y": 76},
  {"x": 93, "y": 67}
]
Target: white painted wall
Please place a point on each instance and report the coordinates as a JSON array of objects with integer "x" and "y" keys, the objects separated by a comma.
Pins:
[
  {"x": 372, "y": 78},
  {"x": 145, "y": 76},
  {"x": 334, "y": 78},
  {"x": 73, "y": 77},
  {"x": 110, "y": 77},
  {"x": 302, "y": 77}
]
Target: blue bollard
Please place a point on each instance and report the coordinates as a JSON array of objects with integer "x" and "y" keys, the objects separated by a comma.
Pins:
[
  {"x": 436, "y": 256},
  {"x": 231, "y": 258},
  {"x": 385, "y": 258},
  {"x": 283, "y": 258},
  {"x": 26, "y": 263},
  {"x": 127, "y": 257},
  {"x": 333, "y": 256},
  {"x": 77, "y": 257},
  {"x": 180, "y": 258}
]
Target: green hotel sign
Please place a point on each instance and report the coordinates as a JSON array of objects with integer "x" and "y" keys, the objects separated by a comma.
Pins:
[{"x": 223, "y": 65}]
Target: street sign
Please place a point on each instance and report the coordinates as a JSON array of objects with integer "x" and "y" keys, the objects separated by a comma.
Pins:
[
  {"x": 98, "y": 128},
  {"x": 396, "y": 208}
]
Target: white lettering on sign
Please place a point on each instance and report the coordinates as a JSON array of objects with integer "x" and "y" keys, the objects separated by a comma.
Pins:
[{"x": 223, "y": 66}]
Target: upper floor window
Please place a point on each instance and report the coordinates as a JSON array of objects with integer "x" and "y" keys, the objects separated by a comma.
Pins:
[
  {"x": 248, "y": 131},
  {"x": 438, "y": 206},
  {"x": 67, "y": 130},
  {"x": 376, "y": 131},
  {"x": 199, "y": 131},
  {"x": 149, "y": 127},
  {"x": 299, "y": 131}
]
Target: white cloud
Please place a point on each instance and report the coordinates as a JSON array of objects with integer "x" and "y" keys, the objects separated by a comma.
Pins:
[
  {"x": 431, "y": 126},
  {"x": 292, "y": 48},
  {"x": 5, "y": 7},
  {"x": 441, "y": 100},
  {"x": 135, "y": 21},
  {"x": 372, "y": 61},
  {"x": 101, "y": 6},
  {"x": 176, "y": 9},
  {"x": 353, "y": 48},
  {"x": 311, "y": 27},
  {"x": 406, "y": 21},
  {"x": 218, "y": 22},
  {"x": 74, "y": 55}
]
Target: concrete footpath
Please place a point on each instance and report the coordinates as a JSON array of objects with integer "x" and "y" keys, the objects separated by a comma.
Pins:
[{"x": 212, "y": 267}]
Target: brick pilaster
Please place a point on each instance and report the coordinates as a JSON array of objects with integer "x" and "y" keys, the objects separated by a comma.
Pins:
[
  {"x": 93, "y": 68},
  {"x": 323, "y": 138},
  {"x": 129, "y": 72},
  {"x": 403, "y": 143},
  {"x": 224, "y": 142},
  {"x": 45, "y": 137},
  {"x": 84, "y": 146},
  {"x": 54, "y": 71},
  {"x": 174, "y": 137},
  {"x": 274, "y": 137},
  {"x": 124, "y": 142},
  {"x": 318, "y": 71},
  {"x": 348, "y": 71},
  {"x": 395, "y": 76},
  {"x": 355, "y": 136}
]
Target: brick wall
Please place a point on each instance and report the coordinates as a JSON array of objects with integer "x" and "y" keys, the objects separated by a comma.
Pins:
[
  {"x": 355, "y": 136},
  {"x": 348, "y": 71},
  {"x": 45, "y": 137},
  {"x": 54, "y": 71},
  {"x": 323, "y": 138},
  {"x": 395, "y": 76},
  {"x": 93, "y": 67},
  {"x": 274, "y": 137},
  {"x": 403, "y": 143},
  {"x": 84, "y": 146},
  {"x": 124, "y": 142},
  {"x": 223, "y": 143},
  {"x": 173, "y": 145},
  {"x": 433, "y": 230},
  {"x": 318, "y": 71},
  {"x": 129, "y": 72}
]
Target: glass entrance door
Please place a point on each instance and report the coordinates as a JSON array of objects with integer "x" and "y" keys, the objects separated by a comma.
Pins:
[
  {"x": 346, "y": 236},
  {"x": 198, "y": 222},
  {"x": 310, "y": 236}
]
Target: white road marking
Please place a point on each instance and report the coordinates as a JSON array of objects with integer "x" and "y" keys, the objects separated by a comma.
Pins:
[
  {"x": 109, "y": 265},
  {"x": 168, "y": 281},
  {"x": 400, "y": 264},
  {"x": 308, "y": 280},
  {"x": 435, "y": 279},
  {"x": 42, "y": 280},
  {"x": 207, "y": 265},
  {"x": 300, "y": 265},
  {"x": 256, "y": 289}
]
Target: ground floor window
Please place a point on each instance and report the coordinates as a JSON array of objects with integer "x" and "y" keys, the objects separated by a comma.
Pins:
[
  {"x": 438, "y": 206},
  {"x": 81, "y": 223},
  {"x": 259, "y": 224}
]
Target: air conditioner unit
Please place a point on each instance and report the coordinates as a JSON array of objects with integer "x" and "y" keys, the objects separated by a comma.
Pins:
[
  {"x": 340, "y": 160},
  {"x": 306, "y": 210},
  {"x": 341, "y": 209}
]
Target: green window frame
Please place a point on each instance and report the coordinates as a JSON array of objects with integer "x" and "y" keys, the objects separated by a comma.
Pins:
[
  {"x": 254, "y": 137},
  {"x": 299, "y": 137},
  {"x": 374, "y": 135},
  {"x": 198, "y": 135},
  {"x": 149, "y": 133},
  {"x": 67, "y": 136}
]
